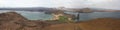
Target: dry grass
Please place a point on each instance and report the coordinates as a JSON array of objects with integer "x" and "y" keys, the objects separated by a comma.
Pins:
[
  {"x": 95, "y": 24},
  {"x": 71, "y": 26},
  {"x": 101, "y": 24}
]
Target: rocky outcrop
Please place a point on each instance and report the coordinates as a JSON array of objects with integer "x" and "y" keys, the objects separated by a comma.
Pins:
[
  {"x": 14, "y": 21},
  {"x": 9, "y": 20},
  {"x": 57, "y": 14}
]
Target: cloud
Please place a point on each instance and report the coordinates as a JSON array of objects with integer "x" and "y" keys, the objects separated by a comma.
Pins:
[
  {"x": 41, "y": 3},
  {"x": 69, "y": 3},
  {"x": 110, "y": 4},
  {"x": 114, "y": 4},
  {"x": 23, "y": 3}
]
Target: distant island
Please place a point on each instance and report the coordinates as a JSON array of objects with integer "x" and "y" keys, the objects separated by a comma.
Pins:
[{"x": 44, "y": 9}]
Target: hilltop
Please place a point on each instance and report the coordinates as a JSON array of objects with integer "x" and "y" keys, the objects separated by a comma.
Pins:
[{"x": 15, "y": 21}]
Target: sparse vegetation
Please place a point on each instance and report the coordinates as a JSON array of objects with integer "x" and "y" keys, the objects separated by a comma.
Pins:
[{"x": 63, "y": 18}]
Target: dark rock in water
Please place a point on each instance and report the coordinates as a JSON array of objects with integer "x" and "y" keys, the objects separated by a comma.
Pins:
[
  {"x": 14, "y": 21},
  {"x": 48, "y": 12}
]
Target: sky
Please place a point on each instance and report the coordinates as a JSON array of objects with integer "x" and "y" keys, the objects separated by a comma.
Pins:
[{"x": 108, "y": 4}]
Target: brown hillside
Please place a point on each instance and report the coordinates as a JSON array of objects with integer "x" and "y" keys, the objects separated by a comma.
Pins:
[
  {"x": 95, "y": 24},
  {"x": 71, "y": 26},
  {"x": 14, "y": 21},
  {"x": 101, "y": 24}
]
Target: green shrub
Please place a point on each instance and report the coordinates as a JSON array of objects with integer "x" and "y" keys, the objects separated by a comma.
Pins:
[{"x": 63, "y": 18}]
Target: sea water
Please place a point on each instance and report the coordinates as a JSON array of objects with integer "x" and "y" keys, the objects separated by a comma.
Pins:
[
  {"x": 32, "y": 15},
  {"x": 94, "y": 15},
  {"x": 83, "y": 16}
]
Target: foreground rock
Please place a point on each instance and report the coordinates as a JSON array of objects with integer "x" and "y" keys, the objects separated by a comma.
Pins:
[
  {"x": 71, "y": 26},
  {"x": 95, "y": 24},
  {"x": 101, "y": 24},
  {"x": 14, "y": 21}
]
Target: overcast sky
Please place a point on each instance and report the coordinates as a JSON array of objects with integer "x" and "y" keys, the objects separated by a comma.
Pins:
[{"x": 110, "y": 4}]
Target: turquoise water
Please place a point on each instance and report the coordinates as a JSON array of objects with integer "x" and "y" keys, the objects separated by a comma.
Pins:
[
  {"x": 35, "y": 15},
  {"x": 83, "y": 16},
  {"x": 32, "y": 15}
]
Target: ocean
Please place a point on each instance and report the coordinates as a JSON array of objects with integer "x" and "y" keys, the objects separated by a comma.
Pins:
[{"x": 83, "y": 16}]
